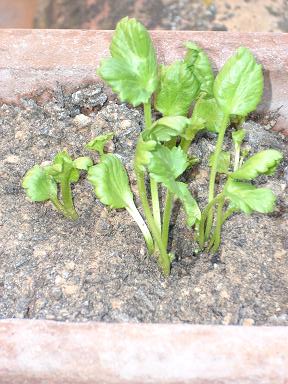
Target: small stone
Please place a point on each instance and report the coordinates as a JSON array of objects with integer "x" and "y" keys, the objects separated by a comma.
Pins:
[
  {"x": 70, "y": 265},
  {"x": 12, "y": 159},
  {"x": 70, "y": 289},
  {"x": 82, "y": 120},
  {"x": 248, "y": 322},
  {"x": 224, "y": 294},
  {"x": 125, "y": 124},
  {"x": 197, "y": 289},
  {"x": 280, "y": 254},
  {"x": 227, "y": 319}
]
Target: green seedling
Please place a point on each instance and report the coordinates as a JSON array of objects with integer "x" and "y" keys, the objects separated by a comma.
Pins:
[
  {"x": 43, "y": 183},
  {"x": 190, "y": 100}
]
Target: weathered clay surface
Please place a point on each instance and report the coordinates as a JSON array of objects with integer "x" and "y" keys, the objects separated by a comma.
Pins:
[
  {"x": 38, "y": 352},
  {"x": 33, "y": 59}
]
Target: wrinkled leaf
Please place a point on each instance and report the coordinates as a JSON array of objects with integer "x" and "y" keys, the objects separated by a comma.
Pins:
[
  {"x": 248, "y": 198},
  {"x": 39, "y": 185},
  {"x": 110, "y": 181},
  {"x": 63, "y": 168},
  {"x": 178, "y": 88},
  {"x": 223, "y": 162},
  {"x": 132, "y": 70},
  {"x": 200, "y": 66},
  {"x": 207, "y": 112},
  {"x": 143, "y": 153},
  {"x": 238, "y": 87},
  {"x": 166, "y": 128},
  {"x": 264, "y": 162},
  {"x": 99, "y": 142},
  {"x": 165, "y": 166},
  {"x": 238, "y": 136},
  {"x": 83, "y": 163}
]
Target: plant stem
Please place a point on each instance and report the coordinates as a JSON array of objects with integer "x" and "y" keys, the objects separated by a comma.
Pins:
[
  {"x": 225, "y": 216},
  {"x": 164, "y": 259},
  {"x": 133, "y": 211},
  {"x": 204, "y": 216},
  {"x": 166, "y": 217},
  {"x": 213, "y": 173},
  {"x": 237, "y": 157},
  {"x": 219, "y": 223},
  {"x": 60, "y": 208},
  {"x": 67, "y": 199},
  {"x": 153, "y": 183}
]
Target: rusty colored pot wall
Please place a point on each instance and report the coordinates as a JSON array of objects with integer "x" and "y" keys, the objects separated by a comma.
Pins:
[
  {"x": 34, "y": 351},
  {"x": 34, "y": 59}
]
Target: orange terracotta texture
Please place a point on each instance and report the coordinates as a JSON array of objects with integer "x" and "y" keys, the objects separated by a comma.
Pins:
[
  {"x": 38, "y": 352},
  {"x": 34, "y": 60}
]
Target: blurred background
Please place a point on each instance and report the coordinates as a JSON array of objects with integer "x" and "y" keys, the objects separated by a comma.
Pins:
[{"x": 231, "y": 15}]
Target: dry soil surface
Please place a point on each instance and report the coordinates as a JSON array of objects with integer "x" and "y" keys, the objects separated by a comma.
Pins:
[{"x": 97, "y": 268}]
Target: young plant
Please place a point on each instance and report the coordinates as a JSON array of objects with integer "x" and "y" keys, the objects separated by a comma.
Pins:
[{"x": 43, "y": 183}]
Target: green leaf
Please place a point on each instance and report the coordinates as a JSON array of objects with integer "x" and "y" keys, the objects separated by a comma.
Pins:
[
  {"x": 264, "y": 162},
  {"x": 223, "y": 162},
  {"x": 63, "y": 168},
  {"x": 248, "y": 198},
  {"x": 165, "y": 166},
  {"x": 99, "y": 142},
  {"x": 39, "y": 185},
  {"x": 166, "y": 128},
  {"x": 200, "y": 66},
  {"x": 143, "y": 153},
  {"x": 238, "y": 87},
  {"x": 178, "y": 88},
  {"x": 238, "y": 136},
  {"x": 110, "y": 181},
  {"x": 132, "y": 70},
  {"x": 207, "y": 113},
  {"x": 83, "y": 163}
]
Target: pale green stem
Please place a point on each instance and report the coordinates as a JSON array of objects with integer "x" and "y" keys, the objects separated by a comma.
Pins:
[
  {"x": 164, "y": 259},
  {"x": 204, "y": 217},
  {"x": 153, "y": 183},
  {"x": 237, "y": 157},
  {"x": 213, "y": 173},
  {"x": 219, "y": 222},
  {"x": 133, "y": 211},
  {"x": 166, "y": 217},
  {"x": 67, "y": 198},
  {"x": 225, "y": 216}
]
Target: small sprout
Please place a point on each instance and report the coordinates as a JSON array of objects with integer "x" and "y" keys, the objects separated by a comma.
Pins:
[
  {"x": 99, "y": 142},
  {"x": 41, "y": 183}
]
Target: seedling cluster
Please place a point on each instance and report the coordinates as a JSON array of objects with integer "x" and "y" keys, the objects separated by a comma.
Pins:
[{"x": 190, "y": 100}]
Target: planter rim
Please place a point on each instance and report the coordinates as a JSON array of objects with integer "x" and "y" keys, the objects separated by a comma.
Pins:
[
  {"x": 45, "y": 351},
  {"x": 34, "y": 62}
]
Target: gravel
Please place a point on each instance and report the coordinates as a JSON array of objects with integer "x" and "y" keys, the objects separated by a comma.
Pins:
[{"x": 97, "y": 268}]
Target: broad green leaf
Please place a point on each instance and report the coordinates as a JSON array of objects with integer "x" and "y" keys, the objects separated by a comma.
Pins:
[
  {"x": 238, "y": 87},
  {"x": 248, "y": 198},
  {"x": 166, "y": 128},
  {"x": 223, "y": 162},
  {"x": 132, "y": 70},
  {"x": 39, "y": 185},
  {"x": 238, "y": 136},
  {"x": 64, "y": 168},
  {"x": 83, "y": 162},
  {"x": 200, "y": 66},
  {"x": 99, "y": 142},
  {"x": 110, "y": 181},
  {"x": 264, "y": 162},
  {"x": 165, "y": 166},
  {"x": 143, "y": 153},
  {"x": 178, "y": 88},
  {"x": 207, "y": 112}
]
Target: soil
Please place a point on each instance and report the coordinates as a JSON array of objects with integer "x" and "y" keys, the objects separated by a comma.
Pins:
[{"x": 97, "y": 268}]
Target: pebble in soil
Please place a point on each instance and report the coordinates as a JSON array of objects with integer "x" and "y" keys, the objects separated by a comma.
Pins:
[{"x": 97, "y": 268}]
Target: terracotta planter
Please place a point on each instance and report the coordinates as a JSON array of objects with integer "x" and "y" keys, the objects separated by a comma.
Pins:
[{"x": 51, "y": 352}]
